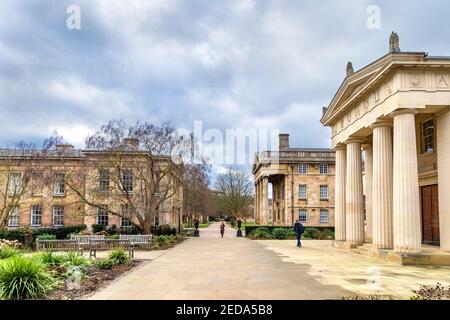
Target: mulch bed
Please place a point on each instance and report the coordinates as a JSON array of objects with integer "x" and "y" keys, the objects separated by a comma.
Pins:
[{"x": 94, "y": 280}]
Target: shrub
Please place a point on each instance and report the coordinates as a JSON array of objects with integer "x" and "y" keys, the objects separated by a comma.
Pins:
[
  {"x": 129, "y": 230},
  {"x": 280, "y": 233},
  {"x": 437, "y": 292},
  {"x": 163, "y": 229},
  {"x": 104, "y": 264},
  {"x": 8, "y": 252},
  {"x": 27, "y": 236},
  {"x": 75, "y": 259},
  {"x": 310, "y": 233},
  {"x": 49, "y": 258},
  {"x": 112, "y": 230},
  {"x": 261, "y": 233},
  {"x": 96, "y": 228},
  {"x": 46, "y": 236},
  {"x": 162, "y": 239},
  {"x": 118, "y": 257},
  {"x": 24, "y": 278},
  {"x": 291, "y": 234},
  {"x": 115, "y": 236}
]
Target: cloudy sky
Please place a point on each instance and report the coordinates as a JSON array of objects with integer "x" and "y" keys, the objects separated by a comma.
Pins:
[{"x": 249, "y": 64}]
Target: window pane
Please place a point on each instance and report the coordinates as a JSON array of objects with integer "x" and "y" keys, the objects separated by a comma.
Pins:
[
  {"x": 127, "y": 180},
  {"x": 323, "y": 216},
  {"x": 302, "y": 216},
  {"x": 36, "y": 215},
  {"x": 58, "y": 216},
  {"x": 13, "y": 219},
  {"x": 428, "y": 136},
  {"x": 102, "y": 217},
  {"x": 104, "y": 180},
  {"x": 124, "y": 222},
  {"x": 15, "y": 184},
  {"x": 303, "y": 168},
  {"x": 323, "y": 167},
  {"x": 303, "y": 192},
  {"x": 324, "y": 192},
  {"x": 58, "y": 187}
]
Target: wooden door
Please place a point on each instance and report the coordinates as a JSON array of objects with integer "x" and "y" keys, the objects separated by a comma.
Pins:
[{"x": 430, "y": 214}]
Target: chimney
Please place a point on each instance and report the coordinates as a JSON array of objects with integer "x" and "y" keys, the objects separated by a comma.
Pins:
[
  {"x": 283, "y": 141},
  {"x": 63, "y": 147},
  {"x": 132, "y": 143},
  {"x": 394, "y": 43}
]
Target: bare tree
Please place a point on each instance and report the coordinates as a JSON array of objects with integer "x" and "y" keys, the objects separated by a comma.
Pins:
[
  {"x": 234, "y": 193},
  {"x": 197, "y": 197},
  {"x": 129, "y": 173}
]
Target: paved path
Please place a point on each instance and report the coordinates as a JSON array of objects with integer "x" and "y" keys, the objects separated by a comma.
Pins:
[
  {"x": 362, "y": 274},
  {"x": 210, "y": 267}
]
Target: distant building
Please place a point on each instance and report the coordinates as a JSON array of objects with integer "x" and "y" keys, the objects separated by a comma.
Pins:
[
  {"x": 302, "y": 182},
  {"x": 34, "y": 184}
]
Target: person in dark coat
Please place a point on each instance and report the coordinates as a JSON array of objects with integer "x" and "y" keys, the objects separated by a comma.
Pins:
[
  {"x": 299, "y": 229},
  {"x": 222, "y": 229}
]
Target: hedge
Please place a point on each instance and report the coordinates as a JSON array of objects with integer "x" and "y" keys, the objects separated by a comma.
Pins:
[
  {"x": 27, "y": 236},
  {"x": 250, "y": 229},
  {"x": 163, "y": 229}
]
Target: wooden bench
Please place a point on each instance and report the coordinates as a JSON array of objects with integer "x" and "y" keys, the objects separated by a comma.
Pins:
[
  {"x": 138, "y": 239},
  {"x": 84, "y": 239},
  {"x": 58, "y": 245},
  {"x": 109, "y": 244}
]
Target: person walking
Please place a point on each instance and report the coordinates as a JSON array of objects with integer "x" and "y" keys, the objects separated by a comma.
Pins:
[
  {"x": 299, "y": 229},
  {"x": 222, "y": 229}
]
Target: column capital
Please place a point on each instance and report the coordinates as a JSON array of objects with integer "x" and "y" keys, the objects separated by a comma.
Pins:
[
  {"x": 340, "y": 146},
  {"x": 404, "y": 111},
  {"x": 381, "y": 123},
  {"x": 354, "y": 140}
]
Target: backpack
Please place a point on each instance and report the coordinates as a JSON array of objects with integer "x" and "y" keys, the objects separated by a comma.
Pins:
[{"x": 301, "y": 229}]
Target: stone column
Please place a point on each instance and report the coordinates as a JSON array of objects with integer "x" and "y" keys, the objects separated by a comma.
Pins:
[
  {"x": 287, "y": 196},
  {"x": 382, "y": 186},
  {"x": 443, "y": 164},
  {"x": 354, "y": 218},
  {"x": 259, "y": 201},
  {"x": 407, "y": 231},
  {"x": 339, "y": 211},
  {"x": 368, "y": 177},
  {"x": 255, "y": 212},
  {"x": 265, "y": 200}
]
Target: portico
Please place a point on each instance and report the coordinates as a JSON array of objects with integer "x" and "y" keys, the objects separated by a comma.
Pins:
[{"x": 395, "y": 111}]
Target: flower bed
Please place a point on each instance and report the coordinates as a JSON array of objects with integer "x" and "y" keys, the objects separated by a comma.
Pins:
[{"x": 46, "y": 275}]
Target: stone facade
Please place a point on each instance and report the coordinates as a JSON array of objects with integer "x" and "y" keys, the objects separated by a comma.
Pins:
[
  {"x": 395, "y": 111},
  {"x": 81, "y": 166},
  {"x": 296, "y": 179}
]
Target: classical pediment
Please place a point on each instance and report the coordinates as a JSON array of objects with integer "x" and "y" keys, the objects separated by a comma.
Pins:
[{"x": 359, "y": 83}]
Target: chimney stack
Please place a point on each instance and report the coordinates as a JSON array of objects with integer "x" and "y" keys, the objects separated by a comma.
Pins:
[
  {"x": 132, "y": 143},
  {"x": 63, "y": 147},
  {"x": 283, "y": 141}
]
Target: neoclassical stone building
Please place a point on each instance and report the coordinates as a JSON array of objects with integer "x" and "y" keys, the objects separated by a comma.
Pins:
[
  {"x": 302, "y": 182},
  {"x": 35, "y": 193},
  {"x": 396, "y": 110}
]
